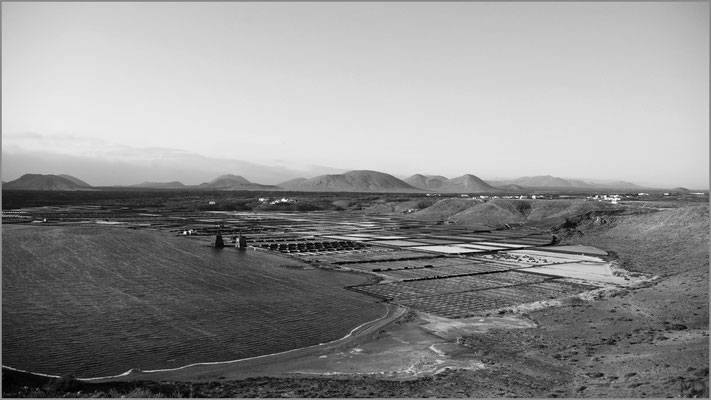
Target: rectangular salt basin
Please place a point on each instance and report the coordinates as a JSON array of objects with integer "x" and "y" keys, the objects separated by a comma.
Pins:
[
  {"x": 479, "y": 237},
  {"x": 596, "y": 272},
  {"x": 508, "y": 234},
  {"x": 446, "y": 249},
  {"x": 579, "y": 249},
  {"x": 504, "y": 245},
  {"x": 444, "y": 237},
  {"x": 554, "y": 256},
  {"x": 480, "y": 247},
  {"x": 338, "y": 237},
  {"x": 437, "y": 241},
  {"x": 364, "y": 235},
  {"x": 399, "y": 243}
]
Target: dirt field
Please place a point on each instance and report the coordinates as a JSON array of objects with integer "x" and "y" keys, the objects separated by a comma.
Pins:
[{"x": 649, "y": 341}]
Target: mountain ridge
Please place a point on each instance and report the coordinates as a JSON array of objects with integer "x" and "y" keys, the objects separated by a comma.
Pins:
[{"x": 350, "y": 181}]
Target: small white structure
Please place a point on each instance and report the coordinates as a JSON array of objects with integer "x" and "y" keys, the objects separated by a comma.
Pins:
[
  {"x": 612, "y": 198},
  {"x": 283, "y": 200}
]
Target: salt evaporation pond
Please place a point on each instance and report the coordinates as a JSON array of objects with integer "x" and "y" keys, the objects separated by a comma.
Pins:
[{"x": 97, "y": 301}]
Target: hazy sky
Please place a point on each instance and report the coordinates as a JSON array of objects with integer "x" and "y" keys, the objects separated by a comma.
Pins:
[{"x": 121, "y": 93}]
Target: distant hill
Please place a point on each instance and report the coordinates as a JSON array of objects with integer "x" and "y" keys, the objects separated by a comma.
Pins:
[
  {"x": 614, "y": 184},
  {"x": 292, "y": 184},
  {"x": 356, "y": 181},
  {"x": 234, "y": 182},
  {"x": 426, "y": 182},
  {"x": 161, "y": 185},
  {"x": 466, "y": 183},
  {"x": 45, "y": 182},
  {"x": 552, "y": 182},
  {"x": 511, "y": 187},
  {"x": 542, "y": 181},
  {"x": 496, "y": 212},
  {"x": 229, "y": 178},
  {"x": 75, "y": 180}
]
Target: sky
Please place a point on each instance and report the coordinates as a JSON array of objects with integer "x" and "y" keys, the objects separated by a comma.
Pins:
[{"x": 121, "y": 93}]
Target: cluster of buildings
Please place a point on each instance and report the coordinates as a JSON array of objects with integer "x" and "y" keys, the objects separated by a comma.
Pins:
[
  {"x": 509, "y": 197},
  {"x": 612, "y": 198},
  {"x": 283, "y": 200}
]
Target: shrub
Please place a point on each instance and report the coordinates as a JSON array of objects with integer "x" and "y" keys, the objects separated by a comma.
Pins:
[
  {"x": 141, "y": 393},
  {"x": 65, "y": 383}
]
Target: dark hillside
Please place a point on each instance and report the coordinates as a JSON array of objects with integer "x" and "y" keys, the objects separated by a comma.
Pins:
[
  {"x": 445, "y": 208},
  {"x": 426, "y": 182},
  {"x": 75, "y": 180},
  {"x": 495, "y": 212},
  {"x": 234, "y": 182},
  {"x": 356, "y": 181},
  {"x": 464, "y": 184},
  {"x": 291, "y": 183},
  {"x": 468, "y": 184},
  {"x": 542, "y": 181},
  {"x": 662, "y": 242},
  {"x": 160, "y": 185},
  {"x": 540, "y": 213},
  {"x": 43, "y": 182},
  {"x": 670, "y": 243}
]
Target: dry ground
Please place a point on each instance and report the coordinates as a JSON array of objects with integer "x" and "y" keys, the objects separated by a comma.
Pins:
[{"x": 650, "y": 341}]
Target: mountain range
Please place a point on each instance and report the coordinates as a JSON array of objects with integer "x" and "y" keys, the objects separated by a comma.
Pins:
[{"x": 351, "y": 181}]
